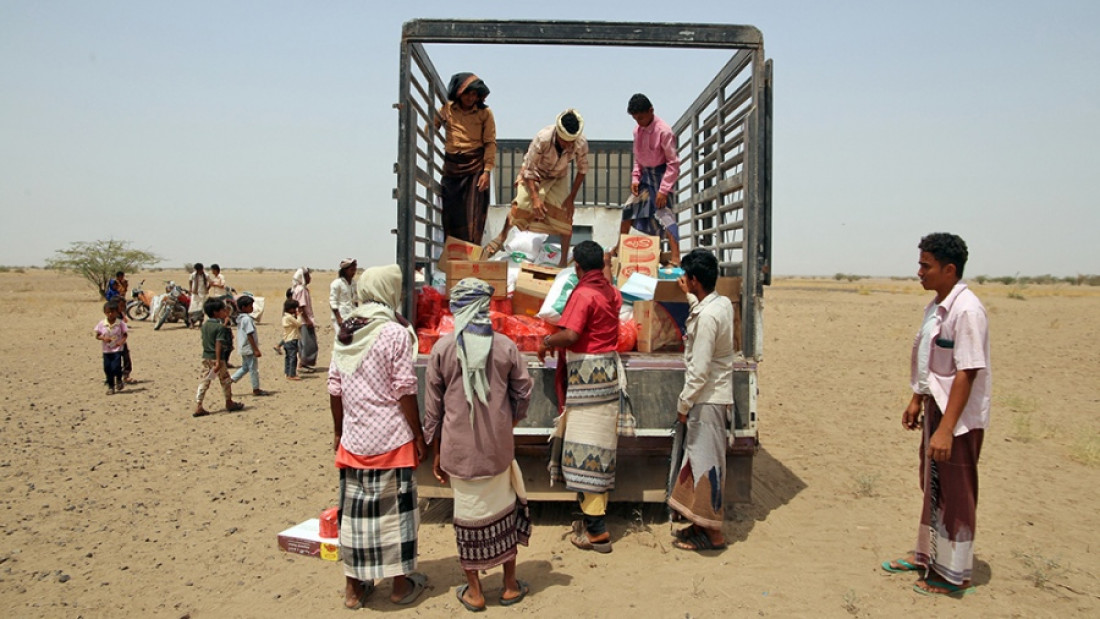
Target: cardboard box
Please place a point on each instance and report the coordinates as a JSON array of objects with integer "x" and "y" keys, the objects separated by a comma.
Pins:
[
  {"x": 532, "y": 286},
  {"x": 526, "y": 304},
  {"x": 493, "y": 273},
  {"x": 305, "y": 539},
  {"x": 457, "y": 250},
  {"x": 670, "y": 307},
  {"x": 535, "y": 279},
  {"x": 638, "y": 253}
]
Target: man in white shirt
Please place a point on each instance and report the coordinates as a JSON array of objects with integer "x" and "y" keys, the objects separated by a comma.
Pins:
[
  {"x": 341, "y": 293},
  {"x": 705, "y": 405},
  {"x": 952, "y": 385}
]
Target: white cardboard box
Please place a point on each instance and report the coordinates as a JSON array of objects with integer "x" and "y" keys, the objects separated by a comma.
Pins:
[{"x": 305, "y": 539}]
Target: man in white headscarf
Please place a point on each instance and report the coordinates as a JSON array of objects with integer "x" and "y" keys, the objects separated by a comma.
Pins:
[
  {"x": 477, "y": 390},
  {"x": 378, "y": 442},
  {"x": 544, "y": 197},
  {"x": 341, "y": 294},
  {"x": 299, "y": 291}
]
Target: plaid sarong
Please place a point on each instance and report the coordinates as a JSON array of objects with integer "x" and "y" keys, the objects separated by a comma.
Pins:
[{"x": 379, "y": 520}]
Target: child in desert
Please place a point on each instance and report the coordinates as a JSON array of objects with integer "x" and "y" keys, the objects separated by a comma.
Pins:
[
  {"x": 111, "y": 331},
  {"x": 248, "y": 345},
  {"x": 217, "y": 343},
  {"x": 292, "y": 332}
]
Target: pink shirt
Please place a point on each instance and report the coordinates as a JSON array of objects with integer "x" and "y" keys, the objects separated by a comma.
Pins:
[
  {"x": 114, "y": 333},
  {"x": 373, "y": 421},
  {"x": 654, "y": 145},
  {"x": 959, "y": 340}
]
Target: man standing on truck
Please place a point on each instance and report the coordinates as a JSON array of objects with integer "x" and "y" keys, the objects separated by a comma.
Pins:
[
  {"x": 544, "y": 197},
  {"x": 589, "y": 381},
  {"x": 952, "y": 385},
  {"x": 470, "y": 152},
  {"x": 705, "y": 405},
  {"x": 656, "y": 168}
]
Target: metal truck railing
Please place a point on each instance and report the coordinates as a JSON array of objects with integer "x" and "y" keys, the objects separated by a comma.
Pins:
[{"x": 722, "y": 201}]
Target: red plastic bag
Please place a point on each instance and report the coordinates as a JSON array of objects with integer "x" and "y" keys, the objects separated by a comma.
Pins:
[
  {"x": 499, "y": 319},
  {"x": 329, "y": 526},
  {"x": 426, "y": 339},
  {"x": 430, "y": 306},
  {"x": 628, "y": 335},
  {"x": 502, "y": 305},
  {"x": 446, "y": 324}
]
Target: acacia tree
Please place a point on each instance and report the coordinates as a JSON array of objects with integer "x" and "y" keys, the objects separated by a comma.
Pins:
[{"x": 98, "y": 261}]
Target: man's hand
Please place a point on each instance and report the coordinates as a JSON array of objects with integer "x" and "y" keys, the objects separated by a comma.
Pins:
[
  {"x": 421, "y": 449},
  {"x": 483, "y": 182},
  {"x": 682, "y": 417},
  {"x": 910, "y": 419},
  {"x": 634, "y": 189},
  {"x": 335, "y": 443},
  {"x": 256, "y": 352},
  {"x": 538, "y": 206},
  {"x": 438, "y": 471},
  {"x": 683, "y": 284},
  {"x": 939, "y": 446},
  {"x": 662, "y": 199}
]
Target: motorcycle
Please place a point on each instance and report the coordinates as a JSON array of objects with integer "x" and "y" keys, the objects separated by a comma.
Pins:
[
  {"x": 173, "y": 306},
  {"x": 139, "y": 306}
]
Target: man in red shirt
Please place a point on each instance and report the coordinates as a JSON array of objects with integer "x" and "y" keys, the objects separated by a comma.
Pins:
[{"x": 590, "y": 384}]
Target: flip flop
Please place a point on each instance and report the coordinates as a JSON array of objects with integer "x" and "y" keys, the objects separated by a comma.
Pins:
[
  {"x": 461, "y": 591},
  {"x": 524, "y": 589},
  {"x": 699, "y": 541},
  {"x": 950, "y": 589},
  {"x": 368, "y": 588},
  {"x": 906, "y": 566},
  {"x": 419, "y": 582}
]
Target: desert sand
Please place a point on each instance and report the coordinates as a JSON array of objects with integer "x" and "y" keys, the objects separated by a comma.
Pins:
[{"x": 126, "y": 506}]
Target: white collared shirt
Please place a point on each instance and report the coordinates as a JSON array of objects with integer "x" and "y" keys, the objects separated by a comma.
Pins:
[{"x": 958, "y": 340}]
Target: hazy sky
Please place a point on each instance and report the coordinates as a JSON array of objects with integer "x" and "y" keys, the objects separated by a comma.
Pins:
[{"x": 263, "y": 134}]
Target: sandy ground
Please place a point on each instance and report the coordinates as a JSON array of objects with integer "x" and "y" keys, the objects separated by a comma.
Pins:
[{"x": 127, "y": 506}]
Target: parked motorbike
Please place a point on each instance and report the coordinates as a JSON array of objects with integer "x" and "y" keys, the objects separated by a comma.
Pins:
[
  {"x": 140, "y": 303},
  {"x": 173, "y": 306}
]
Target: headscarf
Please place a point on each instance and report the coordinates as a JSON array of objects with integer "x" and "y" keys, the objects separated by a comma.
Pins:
[
  {"x": 299, "y": 277},
  {"x": 474, "y": 336},
  {"x": 461, "y": 82},
  {"x": 564, "y": 133},
  {"x": 379, "y": 293}
]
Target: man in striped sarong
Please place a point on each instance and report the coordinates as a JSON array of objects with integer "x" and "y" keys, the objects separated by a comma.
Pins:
[
  {"x": 952, "y": 385},
  {"x": 590, "y": 383},
  {"x": 477, "y": 390}
]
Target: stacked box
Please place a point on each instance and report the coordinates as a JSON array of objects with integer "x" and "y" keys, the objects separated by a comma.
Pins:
[
  {"x": 493, "y": 273},
  {"x": 532, "y": 286}
]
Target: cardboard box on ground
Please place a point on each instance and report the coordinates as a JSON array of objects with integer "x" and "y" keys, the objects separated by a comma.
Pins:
[
  {"x": 304, "y": 539},
  {"x": 661, "y": 322}
]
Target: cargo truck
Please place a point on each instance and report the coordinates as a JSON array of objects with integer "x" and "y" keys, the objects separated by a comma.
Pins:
[{"x": 722, "y": 202}]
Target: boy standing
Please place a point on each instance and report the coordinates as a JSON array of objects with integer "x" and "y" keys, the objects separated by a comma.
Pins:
[
  {"x": 951, "y": 383},
  {"x": 292, "y": 332},
  {"x": 248, "y": 345},
  {"x": 112, "y": 332},
  {"x": 217, "y": 343},
  {"x": 656, "y": 168}
]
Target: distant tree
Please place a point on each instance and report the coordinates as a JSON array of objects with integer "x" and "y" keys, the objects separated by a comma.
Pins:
[{"x": 98, "y": 261}]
